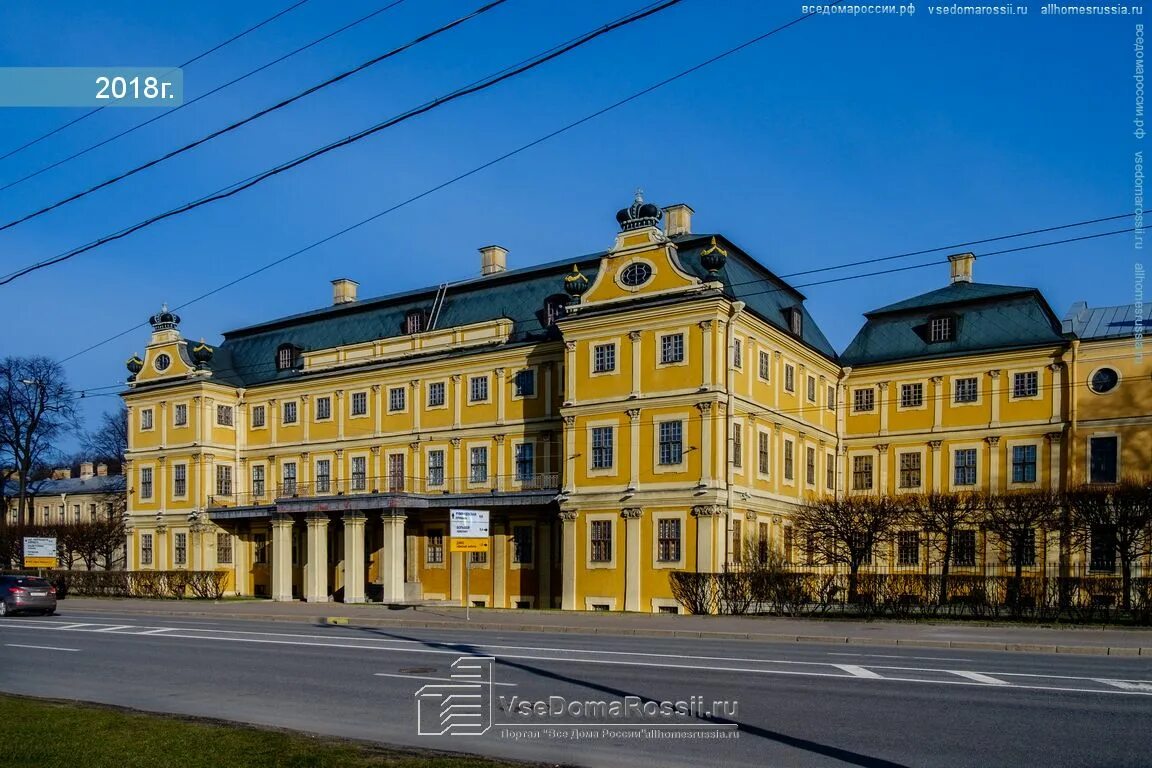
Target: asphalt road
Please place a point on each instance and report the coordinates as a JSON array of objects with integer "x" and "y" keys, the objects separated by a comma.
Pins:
[{"x": 787, "y": 705}]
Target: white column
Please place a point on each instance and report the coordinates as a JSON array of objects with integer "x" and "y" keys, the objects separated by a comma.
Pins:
[
  {"x": 632, "y": 535},
  {"x": 415, "y": 405},
  {"x": 353, "y": 557},
  {"x": 935, "y": 458},
  {"x": 570, "y": 366},
  {"x": 500, "y": 394},
  {"x": 706, "y": 357},
  {"x": 937, "y": 402},
  {"x": 1057, "y": 392},
  {"x": 570, "y": 454},
  {"x": 392, "y": 562},
  {"x": 882, "y": 463},
  {"x": 456, "y": 400},
  {"x": 1054, "y": 473},
  {"x": 633, "y": 448},
  {"x": 316, "y": 569},
  {"x": 883, "y": 387},
  {"x": 634, "y": 337},
  {"x": 706, "y": 517},
  {"x": 499, "y": 565},
  {"x": 568, "y": 561},
  {"x": 993, "y": 463},
  {"x": 706, "y": 428},
  {"x": 281, "y": 558},
  {"x": 994, "y": 394}
]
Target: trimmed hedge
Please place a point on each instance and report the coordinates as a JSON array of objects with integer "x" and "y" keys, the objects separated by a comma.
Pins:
[{"x": 206, "y": 585}]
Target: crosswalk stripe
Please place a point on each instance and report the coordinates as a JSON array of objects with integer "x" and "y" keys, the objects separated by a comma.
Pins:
[
  {"x": 856, "y": 671},
  {"x": 979, "y": 677},
  {"x": 111, "y": 629},
  {"x": 1127, "y": 685}
]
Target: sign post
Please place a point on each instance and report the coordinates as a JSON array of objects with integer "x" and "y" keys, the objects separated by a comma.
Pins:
[
  {"x": 39, "y": 552},
  {"x": 468, "y": 529}
]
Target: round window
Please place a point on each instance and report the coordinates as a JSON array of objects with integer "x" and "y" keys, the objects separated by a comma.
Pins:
[
  {"x": 1104, "y": 380},
  {"x": 162, "y": 362},
  {"x": 636, "y": 274}
]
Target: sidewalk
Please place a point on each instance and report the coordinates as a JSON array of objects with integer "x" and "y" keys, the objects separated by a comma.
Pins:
[{"x": 966, "y": 636}]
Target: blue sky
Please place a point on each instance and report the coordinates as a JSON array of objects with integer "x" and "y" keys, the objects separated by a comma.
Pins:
[{"x": 840, "y": 139}]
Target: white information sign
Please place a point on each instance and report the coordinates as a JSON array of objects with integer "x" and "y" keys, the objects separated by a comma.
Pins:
[{"x": 468, "y": 523}]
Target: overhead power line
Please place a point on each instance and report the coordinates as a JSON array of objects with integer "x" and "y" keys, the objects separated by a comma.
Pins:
[
  {"x": 234, "y": 189},
  {"x": 256, "y": 116},
  {"x": 168, "y": 113},
  {"x": 190, "y": 61}
]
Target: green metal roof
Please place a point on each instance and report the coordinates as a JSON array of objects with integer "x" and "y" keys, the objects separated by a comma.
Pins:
[{"x": 987, "y": 318}]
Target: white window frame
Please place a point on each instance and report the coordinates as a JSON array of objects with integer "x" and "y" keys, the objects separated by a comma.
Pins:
[
  {"x": 472, "y": 379},
  {"x": 952, "y": 450},
  {"x": 428, "y": 404},
  {"x": 657, "y": 563},
  {"x": 593, "y": 346},
  {"x": 660, "y": 337},
  {"x": 316, "y": 413},
  {"x": 855, "y": 402},
  {"x": 147, "y": 415},
  {"x": 513, "y": 380},
  {"x": 176, "y": 408},
  {"x": 264, "y": 418},
  {"x": 900, "y": 406},
  {"x": 352, "y": 404},
  {"x": 1012, "y": 374},
  {"x": 611, "y": 471},
  {"x": 402, "y": 391},
  {"x": 953, "y": 382},
  {"x": 610, "y": 518},
  {"x": 1010, "y": 446}
]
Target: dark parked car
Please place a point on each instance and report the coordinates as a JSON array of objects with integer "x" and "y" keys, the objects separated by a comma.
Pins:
[{"x": 26, "y": 593}]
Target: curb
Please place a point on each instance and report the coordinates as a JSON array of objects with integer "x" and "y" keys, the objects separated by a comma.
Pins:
[{"x": 968, "y": 645}]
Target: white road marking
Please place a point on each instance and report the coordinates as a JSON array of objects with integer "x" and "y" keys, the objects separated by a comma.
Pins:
[
  {"x": 113, "y": 628},
  {"x": 158, "y": 631},
  {"x": 76, "y": 626},
  {"x": 41, "y": 647},
  {"x": 856, "y": 671},
  {"x": 1128, "y": 685},
  {"x": 979, "y": 677},
  {"x": 889, "y": 656},
  {"x": 437, "y": 679}
]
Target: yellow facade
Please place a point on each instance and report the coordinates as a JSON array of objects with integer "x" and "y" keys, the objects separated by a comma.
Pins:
[{"x": 646, "y": 410}]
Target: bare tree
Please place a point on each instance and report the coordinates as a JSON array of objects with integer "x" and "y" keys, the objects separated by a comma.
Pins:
[
  {"x": 36, "y": 409},
  {"x": 109, "y": 442},
  {"x": 941, "y": 515},
  {"x": 1014, "y": 518},
  {"x": 847, "y": 531},
  {"x": 1123, "y": 513}
]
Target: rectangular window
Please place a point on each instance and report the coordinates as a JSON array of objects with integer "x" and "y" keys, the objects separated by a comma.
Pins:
[
  {"x": 359, "y": 403},
  {"x": 603, "y": 358},
  {"x": 671, "y": 442},
  {"x": 811, "y": 389},
  {"x": 323, "y": 476},
  {"x": 224, "y": 548},
  {"x": 257, "y": 415},
  {"x": 477, "y": 389},
  {"x": 1023, "y": 463},
  {"x": 762, "y": 453},
  {"x": 524, "y": 383},
  {"x": 323, "y": 408},
  {"x": 522, "y": 544},
  {"x": 964, "y": 548},
  {"x": 180, "y": 480},
  {"x": 478, "y": 464},
  {"x": 831, "y": 401},
  {"x": 434, "y": 546},
  {"x": 436, "y": 467},
  {"x": 1027, "y": 553},
  {"x": 180, "y": 415},
  {"x": 863, "y": 400},
  {"x": 180, "y": 549},
  {"x": 762, "y": 543},
  {"x": 789, "y": 378},
  {"x": 788, "y": 543},
  {"x": 737, "y": 353},
  {"x": 91, "y": 513},
  {"x": 288, "y": 477},
  {"x": 668, "y": 539},
  {"x": 737, "y": 541},
  {"x": 601, "y": 548},
  {"x": 940, "y": 329},
  {"x": 525, "y": 461},
  {"x": 260, "y": 548},
  {"x": 76, "y": 513},
  {"x": 289, "y": 413},
  {"x": 1103, "y": 459},
  {"x": 1025, "y": 384},
  {"x": 602, "y": 448},
  {"x": 396, "y": 398},
  {"x": 965, "y": 469},
  {"x": 810, "y": 466},
  {"x": 1102, "y": 553},
  {"x": 861, "y": 473},
  {"x": 395, "y": 472},
  {"x": 224, "y": 415},
  {"x": 672, "y": 348},
  {"x": 414, "y": 322},
  {"x": 765, "y": 365},
  {"x": 145, "y": 549},
  {"x": 146, "y": 482},
  {"x": 910, "y": 470},
  {"x": 146, "y": 418},
  {"x": 478, "y": 558},
  {"x": 830, "y": 471},
  {"x": 789, "y": 460},
  {"x": 436, "y": 393},
  {"x": 967, "y": 390},
  {"x": 911, "y": 395},
  {"x": 359, "y": 473},
  {"x": 737, "y": 445},
  {"x": 908, "y": 547}
]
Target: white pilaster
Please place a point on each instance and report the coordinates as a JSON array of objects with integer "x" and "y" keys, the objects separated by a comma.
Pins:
[{"x": 353, "y": 557}]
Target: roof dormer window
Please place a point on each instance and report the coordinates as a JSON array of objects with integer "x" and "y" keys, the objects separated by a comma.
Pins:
[
  {"x": 941, "y": 329},
  {"x": 554, "y": 309},
  {"x": 285, "y": 357},
  {"x": 796, "y": 321},
  {"x": 414, "y": 321}
]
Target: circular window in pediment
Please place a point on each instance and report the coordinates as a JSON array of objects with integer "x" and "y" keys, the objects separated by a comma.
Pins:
[
  {"x": 162, "y": 362},
  {"x": 636, "y": 274},
  {"x": 1104, "y": 380}
]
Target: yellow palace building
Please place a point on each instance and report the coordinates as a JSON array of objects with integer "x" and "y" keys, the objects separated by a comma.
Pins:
[{"x": 651, "y": 408}]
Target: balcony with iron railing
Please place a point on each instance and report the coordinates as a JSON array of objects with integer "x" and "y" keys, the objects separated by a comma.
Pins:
[{"x": 431, "y": 485}]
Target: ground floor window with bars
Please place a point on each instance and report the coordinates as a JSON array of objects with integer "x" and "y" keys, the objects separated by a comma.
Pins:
[
  {"x": 1023, "y": 550},
  {"x": 601, "y": 533},
  {"x": 180, "y": 549},
  {"x": 224, "y": 548},
  {"x": 668, "y": 539},
  {"x": 762, "y": 543},
  {"x": 908, "y": 548},
  {"x": 522, "y": 541},
  {"x": 964, "y": 548},
  {"x": 145, "y": 549},
  {"x": 434, "y": 546}
]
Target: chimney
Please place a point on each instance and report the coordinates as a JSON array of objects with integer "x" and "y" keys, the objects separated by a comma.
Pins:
[
  {"x": 962, "y": 267},
  {"x": 61, "y": 473},
  {"x": 101, "y": 470},
  {"x": 493, "y": 259},
  {"x": 344, "y": 290},
  {"x": 86, "y": 470},
  {"x": 678, "y": 220}
]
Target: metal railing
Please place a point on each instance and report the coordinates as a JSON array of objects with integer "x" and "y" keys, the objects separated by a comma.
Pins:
[{"x": 416, "y": 485}]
